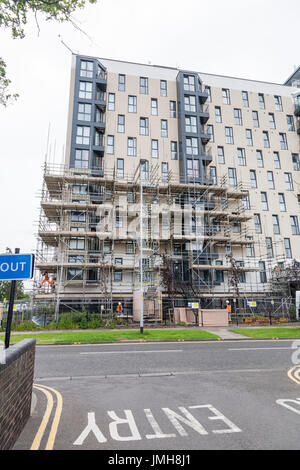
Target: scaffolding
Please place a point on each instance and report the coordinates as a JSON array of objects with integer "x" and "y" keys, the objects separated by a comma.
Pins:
[{"x": 87, "y": 241}]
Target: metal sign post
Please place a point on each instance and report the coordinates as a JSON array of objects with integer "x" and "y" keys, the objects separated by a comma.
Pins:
[{"x": 13, "y": 268}]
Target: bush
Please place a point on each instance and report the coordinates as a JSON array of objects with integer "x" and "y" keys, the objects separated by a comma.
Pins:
[
  {"x": 83, "y": 323},
  {"x": 292, "y": 312},
  {"x": 95, "y": 324}
]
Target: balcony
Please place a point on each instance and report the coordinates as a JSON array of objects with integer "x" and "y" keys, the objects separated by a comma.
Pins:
[
  {"x": 204, "y": 135},
  {"x": 204, "y": 114},
  {"x": 297, "y": 108},
  {"x": 101, "y": 80}
]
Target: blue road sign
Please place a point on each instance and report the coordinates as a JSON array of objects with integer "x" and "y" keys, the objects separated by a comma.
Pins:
[{"x": 16, "y": 267}]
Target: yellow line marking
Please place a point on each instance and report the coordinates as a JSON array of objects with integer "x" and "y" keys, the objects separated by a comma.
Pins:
[
  {"x": 294, "y": 374},
  {"x": 37, "y": 440},
  {"x": 51, "y": 439},
  {"x": 56, "y": 419}
]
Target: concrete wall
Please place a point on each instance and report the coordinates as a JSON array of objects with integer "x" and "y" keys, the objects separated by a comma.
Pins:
[{"x": 16, "y": 379}]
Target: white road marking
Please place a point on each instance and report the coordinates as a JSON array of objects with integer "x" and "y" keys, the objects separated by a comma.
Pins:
[
  {"x": 283, "y": 402},
  {"x": 132, "y": 352},
  {"x": 258, "y": 349}
]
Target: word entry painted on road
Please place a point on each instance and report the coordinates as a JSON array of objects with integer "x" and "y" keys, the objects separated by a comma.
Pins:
[{"x": 16, "y": 267}]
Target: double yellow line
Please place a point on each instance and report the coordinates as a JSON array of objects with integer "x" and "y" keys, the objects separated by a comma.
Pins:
[
  {"x": 294, "y": 374},
  {"x": 49, "y": 392}
]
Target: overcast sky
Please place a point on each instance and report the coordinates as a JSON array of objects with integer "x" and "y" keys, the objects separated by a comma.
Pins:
[{"x": 256, "y": 39}]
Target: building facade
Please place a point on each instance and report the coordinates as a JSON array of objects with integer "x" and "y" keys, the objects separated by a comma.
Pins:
[{"x": 188, "y": 182}]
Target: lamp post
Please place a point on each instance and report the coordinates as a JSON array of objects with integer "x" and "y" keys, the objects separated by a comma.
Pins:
[{"x": 141, "y": 256}]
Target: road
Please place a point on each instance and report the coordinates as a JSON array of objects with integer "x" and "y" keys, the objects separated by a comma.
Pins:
[{"x": 152, "y": 396}]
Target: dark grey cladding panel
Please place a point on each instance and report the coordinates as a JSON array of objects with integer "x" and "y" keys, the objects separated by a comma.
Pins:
[
  {"x": 200, "y": 98},
  {"x": 97, "y": 80}
]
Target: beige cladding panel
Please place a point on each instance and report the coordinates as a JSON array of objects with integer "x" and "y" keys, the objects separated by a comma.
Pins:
[{"x": 132, "y": 123}]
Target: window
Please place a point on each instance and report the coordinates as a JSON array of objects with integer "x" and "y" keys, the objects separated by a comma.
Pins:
[
  {"x": 262, "y": 273},
  {"x": 189, "y": 82},
  {"x": 266, "y": 139},
  {"x": 173, "y": 109},
  {"x": 164, "y": 171},
  {"x": 261, "y": 100},
  {"x": 164, "y": 128},
  {"x": 190, "y": 124},
  {"x": 236, "y": 227},
  {"x": 110, "y": 144},
  {"x": 246, "y": 203},
  {"x": 144, "y": 170},
  {"x": 264, "y": 201},
  {"x": 144, "y": 126},
  {"x": 257, "y": 223},
  {"x": 283, "y": 141},
  {"x": 250, "y": 248},
  {"x": 298, "y": 198},
  {"x": 294, "y": 224},
  {"x": 249, "y": 137},
  {"x": 163, "y": 88},
  {"x": 269, "y": 246},
  {"x": 232, "y": 176},
  {"x": 193, "y": 168},
  {"x": 118, "y": 275},
  {"x": 210, "y": 132},
  {"x": 121, "y": 82},
  {"x": 218, "y": 114},
  {"x": 132, "y": 104},
  {"x": 154, "y": 148},
  {"x": 143, "y": 85},
  {"x": 213, "y": 174},
  {"x": 83, "y": 135},
  {"x": 86, "y": 69},
  {"x": 290, "y": 123},
  {"x": 85, "y": 90},
  {"x": 81, "y": 159},
  {"x": 174, "y": 154},
  {"x": 245, "y": 99},
  {"x": 74, "y": 274},
  {"x": 288, "y": 181},
  {"x": 221, "y": 156},
  {"x": 129, "y": 248},
  {"x": 78, "y": 216},
  {"x": 271, "y": 180},
  {"x": 120, "y": 168},
  {"x": 241, "y": 157},
  {"x": 259, "y": 157},
  {"x": 154, "y": 107},
  {"x": 75, "y": 259},
  {"x": 255, "y": 119},
  {"x": 295, "y": 160},
  {"x": 272, "y": 121},
  {"x": 282, "y": 205},
  {"x": 98, "y": 139},
  {"x": 190, "y": 103},
  {"x": 111, "y": 101},
  {"x": 121, "y": 123},
  {"x": 238, "y": 117},
  {"x": 253, "y": 180},
  {"x": 276, "y": 228},
  {"x": 226, "y": 96},
  {"x": 119, "y": 221},
  {"x": 276, "y": 160},
  {"x": 119, "y": 261},
  {"x": 207, "y": 90},
  {"x": 229, "y": 135},
  {"x": 192, "y": 146},
  {"x": 278, "y": 103},
  {"x": 287, "y": 247},
  {"x": 131, "y": 146}
]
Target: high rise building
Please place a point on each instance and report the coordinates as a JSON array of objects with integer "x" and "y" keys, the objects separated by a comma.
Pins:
[{"x": 177, "y": 187}]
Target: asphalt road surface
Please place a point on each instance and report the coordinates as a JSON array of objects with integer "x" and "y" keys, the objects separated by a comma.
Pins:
[{"x": 158, "y": 396}]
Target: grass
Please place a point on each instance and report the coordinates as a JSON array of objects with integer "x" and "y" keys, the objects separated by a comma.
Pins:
[
  {"x": 112, "y": 336},
  {"x": 269, "y": 332}
]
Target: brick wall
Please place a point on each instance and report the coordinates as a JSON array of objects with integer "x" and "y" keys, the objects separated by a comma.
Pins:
[{"x": 16, "y": 379}]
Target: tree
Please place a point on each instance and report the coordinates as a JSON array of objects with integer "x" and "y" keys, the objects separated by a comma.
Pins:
[
  {"x": 5, "y": 291},
  {"x": 14, "y": 15}
]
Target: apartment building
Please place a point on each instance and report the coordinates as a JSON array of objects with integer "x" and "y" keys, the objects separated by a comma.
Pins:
[{"x": 176, "y": 184}]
